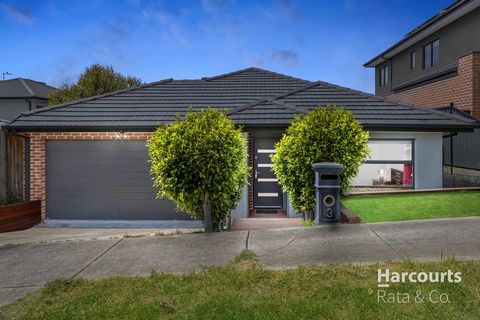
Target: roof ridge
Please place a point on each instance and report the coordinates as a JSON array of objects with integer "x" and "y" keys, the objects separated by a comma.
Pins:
[
  {"x": 279, "y": 74},
  {"x": 108, "y": 94},
  {"x": 22, "y": 81},
  {"x": 223, "y": 75},
  {"x": 253, "y": 69},
  {"x": 272, "y": 98}
]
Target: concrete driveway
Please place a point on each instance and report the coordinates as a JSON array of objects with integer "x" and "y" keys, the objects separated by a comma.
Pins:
[{"x": 27, "y": 267}]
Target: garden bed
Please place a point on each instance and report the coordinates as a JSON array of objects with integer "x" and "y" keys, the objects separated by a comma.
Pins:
[
  {"x": 20, "y": 216},
  {"x": 412, "y": 206}
]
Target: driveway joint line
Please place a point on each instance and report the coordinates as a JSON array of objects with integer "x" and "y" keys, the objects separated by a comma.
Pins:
[
  {"x": 23, "y": 286},
  {"x": 399, "y": 252},
  {"x": 247, "y": 239},
  {"x": 101, "y": 255}
]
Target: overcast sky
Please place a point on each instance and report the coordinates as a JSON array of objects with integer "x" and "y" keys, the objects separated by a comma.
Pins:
[{"x": 53, "y": 41}]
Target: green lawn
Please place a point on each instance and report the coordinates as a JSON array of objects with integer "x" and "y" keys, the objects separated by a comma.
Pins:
[
  {"x": 376, "y": 208},
  {"x": 245, "y": 290}
]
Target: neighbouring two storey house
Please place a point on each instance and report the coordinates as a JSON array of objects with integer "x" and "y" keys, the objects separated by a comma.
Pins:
[{"x": 437, "y": 65}]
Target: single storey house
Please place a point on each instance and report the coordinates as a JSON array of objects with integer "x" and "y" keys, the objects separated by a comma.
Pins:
[{"x": 88, "y": 158}]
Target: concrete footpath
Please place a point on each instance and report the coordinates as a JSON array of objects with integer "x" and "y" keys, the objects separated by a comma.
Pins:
[{"x": 28, "y": 267}]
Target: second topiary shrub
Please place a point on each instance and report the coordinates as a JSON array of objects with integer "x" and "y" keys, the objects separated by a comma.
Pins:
[{"x": 326, "y": 134}]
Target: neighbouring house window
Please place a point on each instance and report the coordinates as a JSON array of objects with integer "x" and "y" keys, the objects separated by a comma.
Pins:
[
  {"x": 431, "y": 54},
  {"x": 413, "y": 60},
  {"x": 384, "y": 75},
  {"x": 390, "y": 165}
]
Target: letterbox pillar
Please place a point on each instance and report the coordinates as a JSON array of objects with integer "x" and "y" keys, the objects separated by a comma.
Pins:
[{"x": 327, "y": 192}]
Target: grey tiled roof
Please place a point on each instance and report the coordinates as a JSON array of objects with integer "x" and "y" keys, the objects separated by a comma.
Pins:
[
  {"x": 24, "y": 88},
  {"x": 251, "y": 97}
]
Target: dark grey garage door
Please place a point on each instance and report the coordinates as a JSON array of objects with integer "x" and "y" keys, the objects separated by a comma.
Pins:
[{"x": 106, "y": 180}]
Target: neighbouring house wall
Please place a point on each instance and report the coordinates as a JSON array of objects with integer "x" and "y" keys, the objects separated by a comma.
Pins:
[
  {"x": 3, "y": 166},
  {"x": 463, "y": 89},
  {"x": 428, "y": 152},
  {"x": 456, "y": 40},
  {"x": 466, "y": 150},
  {"x": 12, "y": 108},
  {"x": 11, "y": 166}
]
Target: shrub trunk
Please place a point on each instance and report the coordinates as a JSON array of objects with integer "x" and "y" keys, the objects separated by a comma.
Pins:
[
  {"x": 207, "y": 214},
  {"x": 308, "y": 214}
]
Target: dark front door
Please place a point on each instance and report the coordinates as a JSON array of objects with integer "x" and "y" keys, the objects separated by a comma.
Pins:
[{"x": 266, "y": 190}]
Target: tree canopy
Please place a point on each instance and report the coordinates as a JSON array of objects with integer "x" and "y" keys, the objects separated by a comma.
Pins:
[
  {"x": 200, "y": 164},
  {"x": 329, "y": 134},
  {"x": 95, "y": 80}
]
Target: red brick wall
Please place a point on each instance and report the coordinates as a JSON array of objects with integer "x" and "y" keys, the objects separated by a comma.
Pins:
[
  {"x": 476, "y": 86},
  {"x": 37, "y": 155},
  {"x": 463, "y": 89},
  {"x": 250, "y": 176}
]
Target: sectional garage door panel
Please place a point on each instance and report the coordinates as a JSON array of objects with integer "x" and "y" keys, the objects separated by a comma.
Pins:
[{"x": 102, "y": 180}]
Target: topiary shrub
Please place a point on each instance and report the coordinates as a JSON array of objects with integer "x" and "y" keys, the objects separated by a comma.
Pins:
[
  {"x": 328, "y": 134},
  {"x": 200, "y": 164}
]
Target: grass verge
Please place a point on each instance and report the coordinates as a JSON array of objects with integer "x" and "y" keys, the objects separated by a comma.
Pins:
[
  {"x": 245, "y": 290},
  {"x": 377, "y": 208}
]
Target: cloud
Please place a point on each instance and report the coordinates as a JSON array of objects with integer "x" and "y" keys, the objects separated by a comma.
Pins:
[
  {"x": 212, "y": 6},
  {"x": 171, "y": 24},
  {"x": 283, "y": 10},
  {"x": 350, "y": 6},
  {"x": 285, "y": 57},
  {"x": 108, "y": 39},
  {"x": 19, "y": 15}
]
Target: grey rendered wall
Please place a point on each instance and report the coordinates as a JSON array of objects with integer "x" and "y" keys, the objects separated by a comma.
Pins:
[
  {"x": 427, "y": 156},
  {"x": 241, "y": 211},
  {"x": 456, "y": 40}
]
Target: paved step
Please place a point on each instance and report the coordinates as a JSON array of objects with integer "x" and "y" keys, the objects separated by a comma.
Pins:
[{"x": 242, "y": 224}]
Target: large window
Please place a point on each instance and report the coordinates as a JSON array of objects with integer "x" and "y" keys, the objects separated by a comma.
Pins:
[
  {"x": 431, "y": 54},
  {"x": 390, "y": 165}
]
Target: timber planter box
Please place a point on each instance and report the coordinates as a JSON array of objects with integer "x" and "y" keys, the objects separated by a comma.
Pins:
[{"x": 20, "y": 216}]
